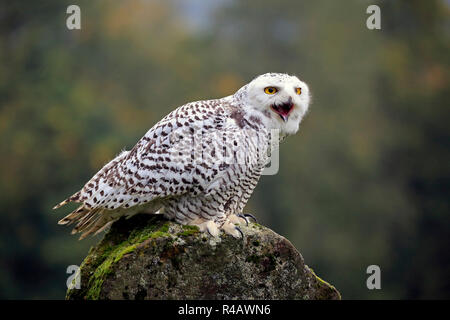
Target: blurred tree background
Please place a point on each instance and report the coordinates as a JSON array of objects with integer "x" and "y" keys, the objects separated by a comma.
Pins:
[{"x": 366, "y": 180}]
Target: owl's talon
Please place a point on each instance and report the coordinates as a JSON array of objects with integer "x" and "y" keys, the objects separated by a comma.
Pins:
[
  {"x": 237, "y": 219},
  {"x": 209, "y": 226},
  {"x": 248, "y": 215},
  {"x": 243, "y": 217},
  {"x": 229, "y": 228},
  {"x": 240, "y": 231}
]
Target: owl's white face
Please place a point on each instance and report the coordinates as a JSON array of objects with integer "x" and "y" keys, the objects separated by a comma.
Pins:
[{"x": 279, "y": 100}]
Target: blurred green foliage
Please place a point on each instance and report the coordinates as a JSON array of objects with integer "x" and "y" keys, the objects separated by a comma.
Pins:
[{"x": 365, "y": 181}]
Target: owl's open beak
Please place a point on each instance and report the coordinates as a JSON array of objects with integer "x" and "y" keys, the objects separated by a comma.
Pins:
[{"x": 284, "y": 109}]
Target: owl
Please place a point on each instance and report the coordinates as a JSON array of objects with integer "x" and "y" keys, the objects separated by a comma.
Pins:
[{"x": 200, "y": 164}]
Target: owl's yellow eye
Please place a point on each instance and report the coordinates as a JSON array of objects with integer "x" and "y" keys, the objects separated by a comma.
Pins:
[
  {"x": 270, "y": 90},
  {"x": 298, "y": 90}
]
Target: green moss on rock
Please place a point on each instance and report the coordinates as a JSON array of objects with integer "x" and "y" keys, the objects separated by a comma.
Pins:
[
  {"x": 188, "y": 231},
  {"x": 148, "y": 257}
]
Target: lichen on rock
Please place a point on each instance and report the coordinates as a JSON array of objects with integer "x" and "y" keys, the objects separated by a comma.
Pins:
[{"x": 148, "y": 257}]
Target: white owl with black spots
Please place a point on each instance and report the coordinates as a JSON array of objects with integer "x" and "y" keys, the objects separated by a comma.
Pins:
[{"x": 199, "y": 164}]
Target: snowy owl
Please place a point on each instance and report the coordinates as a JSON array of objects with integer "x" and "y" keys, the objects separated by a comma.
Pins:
[{"x": 199, "y": 164}]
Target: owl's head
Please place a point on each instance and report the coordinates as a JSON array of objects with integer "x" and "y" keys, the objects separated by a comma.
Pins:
[{"x": 277, "y": 99}]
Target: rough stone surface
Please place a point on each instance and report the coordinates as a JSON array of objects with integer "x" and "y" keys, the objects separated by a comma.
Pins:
[{"x": 148, "y": 257}]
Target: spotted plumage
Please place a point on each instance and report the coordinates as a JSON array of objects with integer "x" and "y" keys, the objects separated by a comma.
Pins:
[{"x": 199, "y": 164}]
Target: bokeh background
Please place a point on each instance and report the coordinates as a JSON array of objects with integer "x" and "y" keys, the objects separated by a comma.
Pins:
[{"x": 366, "y": 180}]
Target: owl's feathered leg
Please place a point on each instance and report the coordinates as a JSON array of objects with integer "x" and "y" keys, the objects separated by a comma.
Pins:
[{"x": 214, "y": 227}]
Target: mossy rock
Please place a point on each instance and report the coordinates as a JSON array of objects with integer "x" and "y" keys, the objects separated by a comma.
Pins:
[{"x": 148, "y": 257}]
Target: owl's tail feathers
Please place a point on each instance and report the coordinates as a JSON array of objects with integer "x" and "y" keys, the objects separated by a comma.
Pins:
[
  {"x": 74, "y": 198},
  {"x": 75, "y": 216},
  {"x": 88, "y": 221}
]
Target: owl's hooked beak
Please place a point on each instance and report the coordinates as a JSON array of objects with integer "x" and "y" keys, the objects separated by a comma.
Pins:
[{"x": 284, "y": 109}]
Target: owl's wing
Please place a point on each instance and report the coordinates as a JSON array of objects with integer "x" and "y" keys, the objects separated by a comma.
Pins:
[{"x": 164, "y": 163}]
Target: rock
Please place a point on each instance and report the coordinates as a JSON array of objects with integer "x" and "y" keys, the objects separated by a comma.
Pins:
[{"x": 148, "y": 257}]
